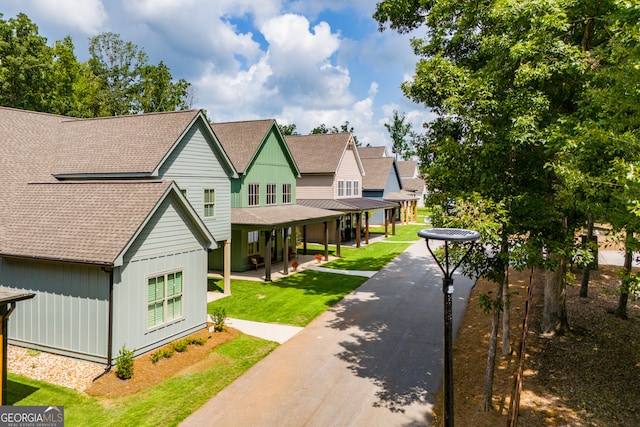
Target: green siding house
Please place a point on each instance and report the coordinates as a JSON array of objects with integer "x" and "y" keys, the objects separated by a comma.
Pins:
[{"x": 265, "y": 217}]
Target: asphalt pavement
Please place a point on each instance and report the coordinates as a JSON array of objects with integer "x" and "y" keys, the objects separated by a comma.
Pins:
[{"x": 374, "y": 359}]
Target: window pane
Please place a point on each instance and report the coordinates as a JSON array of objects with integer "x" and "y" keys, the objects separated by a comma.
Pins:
[
  {"x": 178, "y": 288},
  {"x": 151, "y": 290},
  {"x": 160, "y": 287}
]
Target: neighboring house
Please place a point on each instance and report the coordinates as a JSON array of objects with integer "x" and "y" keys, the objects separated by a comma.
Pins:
[
  {"x": 265, "y": 215},
  {"x": 109, "y": 223},
  {"x": 383, "y": 182},
  {"x": 411, "y": 181},
  {"x": 331, "y": 178}
]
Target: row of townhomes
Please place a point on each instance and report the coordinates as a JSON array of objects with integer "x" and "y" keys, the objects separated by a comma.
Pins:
[{"x": 114, "y": 223}]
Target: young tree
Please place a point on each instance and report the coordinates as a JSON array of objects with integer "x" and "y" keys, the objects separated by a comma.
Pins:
[{"x": 399, "y": 130}]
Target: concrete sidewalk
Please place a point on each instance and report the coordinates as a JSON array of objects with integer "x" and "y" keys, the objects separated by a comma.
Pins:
[{"x": 373, "y": 359}]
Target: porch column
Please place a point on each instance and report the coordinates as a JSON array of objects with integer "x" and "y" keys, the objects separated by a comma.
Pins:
[
  {"x": 304, "y": 239},
  {"x": 267, "y": 255},
  {"x": 393, "y": 222},
  {"x": 227, "y": 267},
  {"x": 338, "y": 235},
  {"x": 285, "y": 251},
  {"x": 386, "y": 222},
  {"x": 358, "y": 221},
  {"x": 326, "y": 240},
  {"x": 366, "y": 227}
]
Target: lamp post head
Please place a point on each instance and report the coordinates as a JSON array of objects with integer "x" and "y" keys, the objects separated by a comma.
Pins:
[{"x": 449, "y": 234}]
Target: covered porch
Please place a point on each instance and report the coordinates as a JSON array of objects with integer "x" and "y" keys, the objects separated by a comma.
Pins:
[{"x": 269, "y": 236}]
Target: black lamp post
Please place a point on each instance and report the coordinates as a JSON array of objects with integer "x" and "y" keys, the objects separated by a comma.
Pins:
[{"x": 448, "y": 235}]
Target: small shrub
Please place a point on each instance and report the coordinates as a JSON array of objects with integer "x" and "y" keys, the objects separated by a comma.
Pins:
[
  {"x": 163, "y": 353},
  {"x": 197, "y": 341},
  {"x": 219, "y": 318},
  {"x": 124, "y": 364},
  {"x": 180, "y": 346}
]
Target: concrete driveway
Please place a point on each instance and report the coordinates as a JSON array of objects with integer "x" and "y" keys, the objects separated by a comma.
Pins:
[{"x": 374, "y": 359}]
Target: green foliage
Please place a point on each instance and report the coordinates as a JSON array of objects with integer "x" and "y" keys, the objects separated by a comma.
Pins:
[
  {"x": 116, "y": 80},
  {"x": 219, "y": 317},
  {"x": 163, "y": 353},
  {"x": 124, "y": 363},
  {"x": 180, "y": 346},
  {"x": 488, "y": 303},
  {"x": 196, "y": 341},
  {"x": 399, "y": 131}
]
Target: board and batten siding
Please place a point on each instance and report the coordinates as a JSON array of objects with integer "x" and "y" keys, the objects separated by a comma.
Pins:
[
  {"x": 168, "y": 243},
  {"x": 347, "y": 170},
  {"x": 315, "y": 187},
  {"x": 270, "y": 165},
  {"x": 69, "y": 313},
  {"x": 195, "y": 165}
]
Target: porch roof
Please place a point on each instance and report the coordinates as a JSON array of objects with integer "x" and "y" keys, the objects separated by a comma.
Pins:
[
  {"x": 266, "y": 217},
  {"x": 355, "y": 204}
]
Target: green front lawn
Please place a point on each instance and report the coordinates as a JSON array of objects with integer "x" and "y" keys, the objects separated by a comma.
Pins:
[
  {"x": 293, "y": 300},
  {"x": 167, "y": 404}
]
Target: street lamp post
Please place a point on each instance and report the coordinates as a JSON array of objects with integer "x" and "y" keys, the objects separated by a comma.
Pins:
[{"x": 448, "y": 235}]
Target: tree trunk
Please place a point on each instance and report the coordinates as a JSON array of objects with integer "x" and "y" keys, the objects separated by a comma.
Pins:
[
  {"x": 506, "y": 344},
  {"x": 554, "y": 318},
  {"x": 621, "y": 311},
  {"x": 586, "y": 270},
  {"x": 491, "y": 354}
]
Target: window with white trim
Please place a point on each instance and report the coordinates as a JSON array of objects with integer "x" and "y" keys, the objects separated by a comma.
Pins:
[
  {"x": 349, "y": 184},
  {"x": 286, "y": 194},
  {"x": 340, "y": 188},
  {"x": 356, "y": 188},
  {"x": 254, "y": 194},
  {"x": 271, "y": 194},
  {"x": 209, "y": 203},
  {"x": 253, "y": 242},
  {"x": 164, "y": 298}
]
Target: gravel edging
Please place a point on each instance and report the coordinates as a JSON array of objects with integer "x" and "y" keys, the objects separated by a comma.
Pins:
[{"x": 52, "y": 368}]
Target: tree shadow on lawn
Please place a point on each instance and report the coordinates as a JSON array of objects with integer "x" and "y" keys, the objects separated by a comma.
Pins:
[{"x": 17, "y": 391}]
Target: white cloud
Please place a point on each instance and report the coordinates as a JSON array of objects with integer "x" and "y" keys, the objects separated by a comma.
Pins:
[{"x": 86, "y": 16}]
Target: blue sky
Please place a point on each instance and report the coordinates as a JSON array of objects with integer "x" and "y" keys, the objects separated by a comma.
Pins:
[{"x": 306, "y": 62}]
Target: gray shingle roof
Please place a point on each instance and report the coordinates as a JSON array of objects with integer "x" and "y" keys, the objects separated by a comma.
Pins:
[
  {"x": 371, "y": 152},
  {"x": 88, "y": 222},
  {"x": 415, "y": 184},
  {"x": 407, "y": 168},
  {"x": 85, "y": 222},
  {"x": 318, "y": 153},
  {"x": 377, "y": 172},
  {"x": 241, "y": 140}
]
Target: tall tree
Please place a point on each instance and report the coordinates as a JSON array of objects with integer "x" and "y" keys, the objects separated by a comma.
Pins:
[
  {"x": 116, "y": 64},
  {"x": 334, "y": 129},
  {"x": 289, "y": 129},
  {"x": 501, "y": 75},
  {"x": 399, "y": 130},
  {"x": 65, "y": 76},
  {"x": 156, "y": 90},
  {"x": 25, "y": 65}
]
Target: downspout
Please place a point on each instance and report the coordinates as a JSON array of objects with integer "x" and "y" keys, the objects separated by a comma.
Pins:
[{"x": 109, "y": 325}]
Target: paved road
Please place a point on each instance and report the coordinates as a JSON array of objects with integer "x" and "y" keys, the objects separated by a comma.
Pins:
[{"x": 372, "y": 360}]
